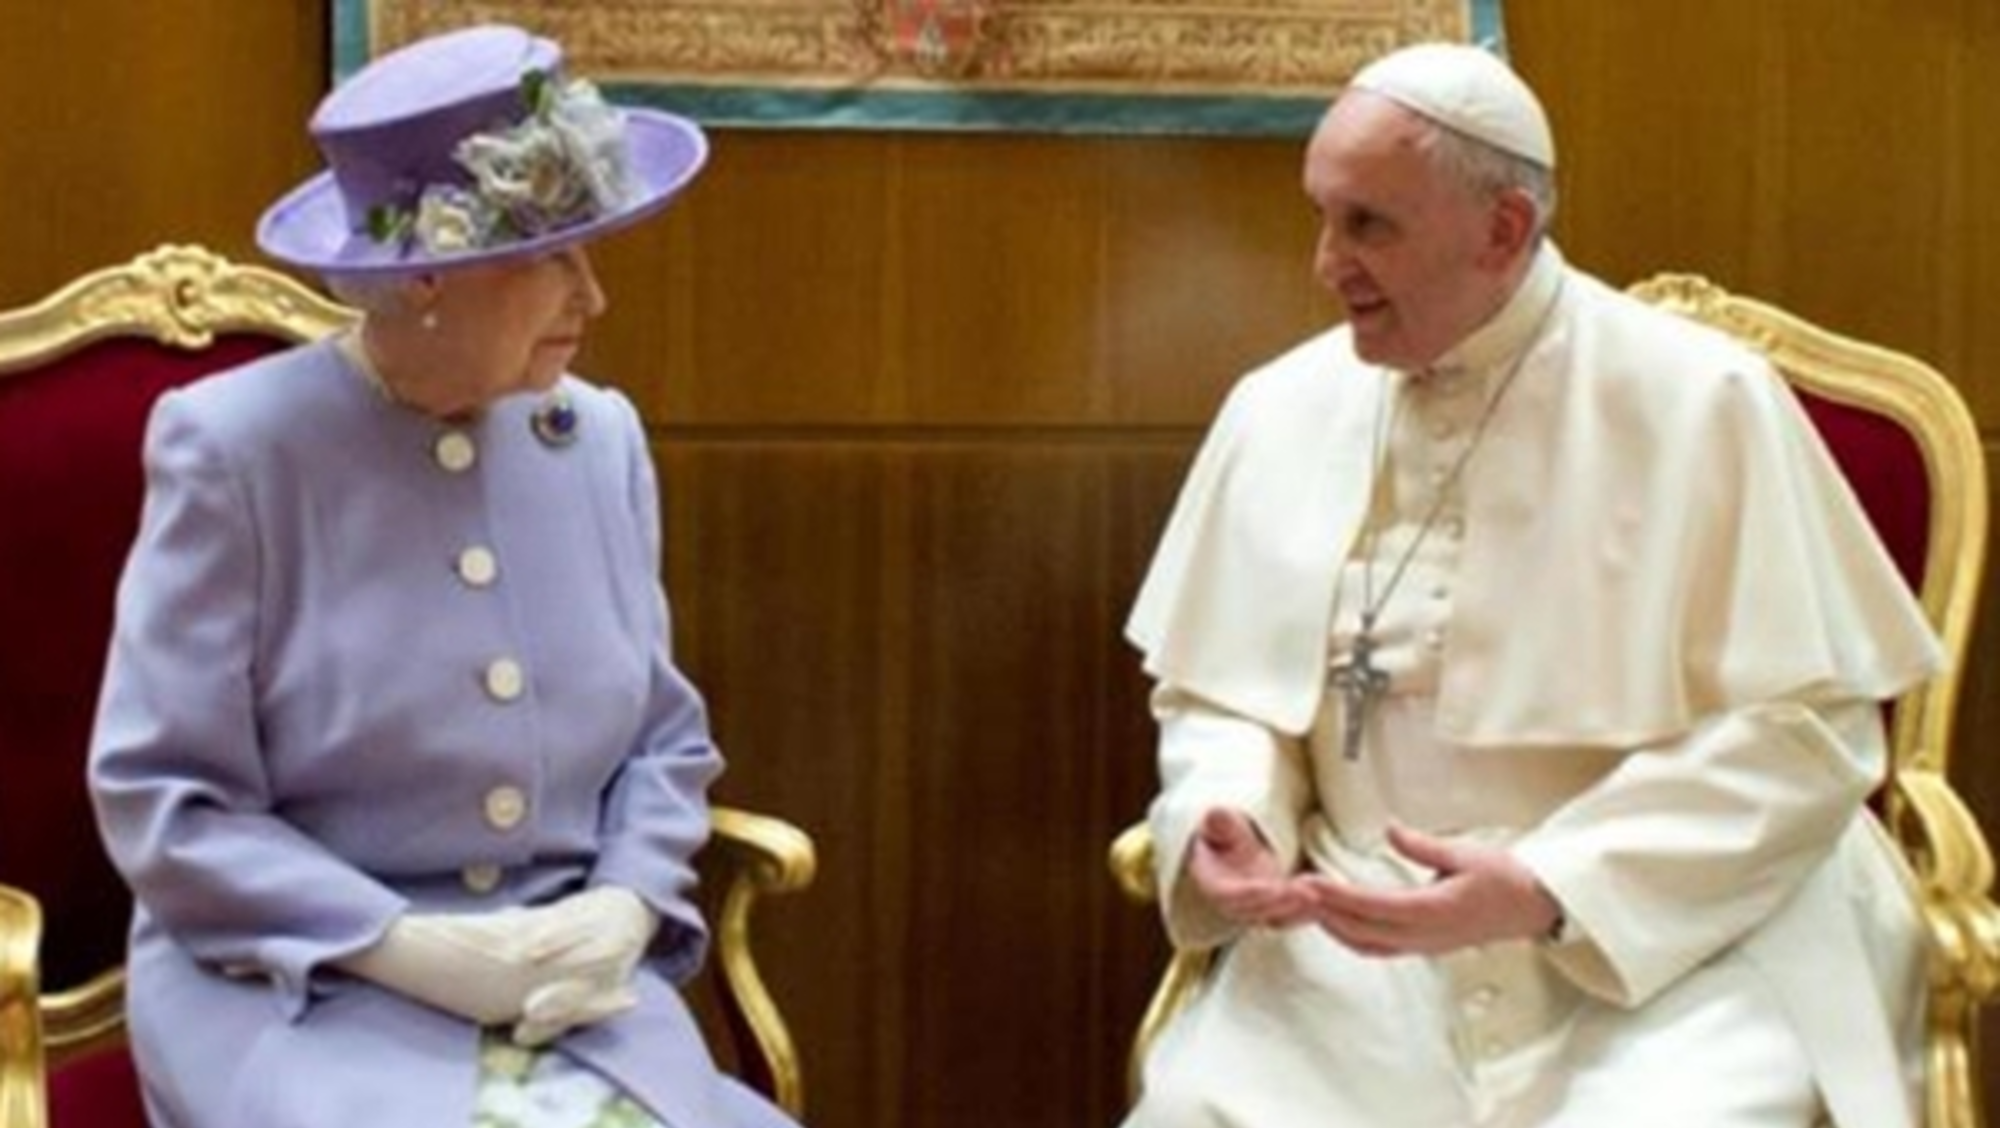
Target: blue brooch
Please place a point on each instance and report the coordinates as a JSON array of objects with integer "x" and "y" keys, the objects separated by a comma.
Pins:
[{"x": 555, "y": 422}]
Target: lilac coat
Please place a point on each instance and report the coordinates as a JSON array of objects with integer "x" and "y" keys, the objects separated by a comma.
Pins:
[{"x": 302, "y": 734}]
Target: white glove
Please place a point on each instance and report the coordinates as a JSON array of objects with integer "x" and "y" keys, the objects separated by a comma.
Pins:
[
  {"x": 559, "y": 1007},
  {"x": 473, "y": 965},
  {"x": 586, "y": 947},
  {"x": 551, "y": 968}
]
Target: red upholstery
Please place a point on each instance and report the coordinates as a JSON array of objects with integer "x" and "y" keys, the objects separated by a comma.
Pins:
[
  {"x": 1883, "y": 463},
  {"x": 1885, "y": 467},
  {"x": 99, "y": 1090},
  {"x": 70, "y": 486}
]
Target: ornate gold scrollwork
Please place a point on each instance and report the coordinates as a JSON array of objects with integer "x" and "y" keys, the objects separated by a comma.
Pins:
[{"x": 180, "y": 296}]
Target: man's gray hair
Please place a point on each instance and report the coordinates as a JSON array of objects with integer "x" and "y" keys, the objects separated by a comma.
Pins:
[{"x": 1487, "y": 171}]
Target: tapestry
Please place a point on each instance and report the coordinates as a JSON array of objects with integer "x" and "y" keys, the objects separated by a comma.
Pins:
[{"x": 1254, "y": 67}]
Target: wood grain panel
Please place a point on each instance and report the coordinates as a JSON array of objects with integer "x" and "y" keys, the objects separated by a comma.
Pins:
[
  {"x": 912, "y": 648},
  {"x": 766, "y": 295},
  {"x": 1964, "y": 241},
  {"x": 998, "y": 322},
  {"x": 1837, "y": 159},
  {"x": 1208, "y": 272},
  {"x": 921, "y": 280},
  {"x": 1664, "y": 130},
  {"x": 1975, "y": 768},
  {"x": 1025, "y": 568},
  {"x": 129, "y": 125}
]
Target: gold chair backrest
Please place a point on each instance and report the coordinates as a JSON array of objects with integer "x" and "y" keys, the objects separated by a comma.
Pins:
[
  {"x": 181, "y": 296},
  {"x": 1938, "y": 835}
]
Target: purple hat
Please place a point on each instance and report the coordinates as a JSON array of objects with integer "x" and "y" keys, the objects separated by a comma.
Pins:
[{"x": 472, "y": 147}]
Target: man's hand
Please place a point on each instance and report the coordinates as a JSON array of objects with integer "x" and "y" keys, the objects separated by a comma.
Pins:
[
  {"x": 1481, "y": 894},
  {"x": 1242, "y": 877}
]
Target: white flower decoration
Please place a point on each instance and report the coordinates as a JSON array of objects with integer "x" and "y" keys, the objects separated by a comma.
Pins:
[
  {"x": 565, "y": 163},
  {"x": 592, "y": 134},
  {"x": 449, "y": 221}
]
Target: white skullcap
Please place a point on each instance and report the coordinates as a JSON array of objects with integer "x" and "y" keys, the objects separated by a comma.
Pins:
[{"x": 1467, "y": 89}]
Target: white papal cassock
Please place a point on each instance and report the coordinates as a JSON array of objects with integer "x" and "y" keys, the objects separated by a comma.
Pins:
[{"x": 1642, "y": 641}]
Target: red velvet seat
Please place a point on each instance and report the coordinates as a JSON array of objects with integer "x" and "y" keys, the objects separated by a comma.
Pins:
[
  {"x": 96, "y": 1090},
  {"x": 1908, "y": 447},
  {"x": 69, "y": 496},
  {"x": 78, "y": 375}
]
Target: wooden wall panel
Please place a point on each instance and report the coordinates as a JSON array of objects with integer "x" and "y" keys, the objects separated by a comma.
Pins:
[
  {"x": 1839, "y": 159},
  {"x": 921, "y": 403},
  {"x": 898, "y": 279},
  {"x": 129, "y": 125},
  {"x": 911, "y": 648}
]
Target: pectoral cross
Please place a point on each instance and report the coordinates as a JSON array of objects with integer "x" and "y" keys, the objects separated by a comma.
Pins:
[{"x": 1360, "y": 682}]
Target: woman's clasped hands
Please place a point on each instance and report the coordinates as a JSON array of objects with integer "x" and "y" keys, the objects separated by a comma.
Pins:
[{"x": 545, "y": 970}]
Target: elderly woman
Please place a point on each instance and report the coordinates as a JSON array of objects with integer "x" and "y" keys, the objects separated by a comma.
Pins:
[{"x": 391, "y": 748}]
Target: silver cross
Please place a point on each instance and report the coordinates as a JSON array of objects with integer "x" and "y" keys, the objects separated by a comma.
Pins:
[{"x": 1360, "y": 682}]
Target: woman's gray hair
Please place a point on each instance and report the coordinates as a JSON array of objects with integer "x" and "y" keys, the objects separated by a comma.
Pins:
[
  {"x": 1488, "y": 171},
  {"x": 369, "y": 293}
]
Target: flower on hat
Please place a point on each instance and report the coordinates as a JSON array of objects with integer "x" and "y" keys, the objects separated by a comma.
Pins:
[
  {"x": 451, "y": 220},
  {"x": 563, "y": 164}
]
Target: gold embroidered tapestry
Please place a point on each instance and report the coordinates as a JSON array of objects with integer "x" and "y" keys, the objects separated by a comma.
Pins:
[{"x": 1173, "y": 66}]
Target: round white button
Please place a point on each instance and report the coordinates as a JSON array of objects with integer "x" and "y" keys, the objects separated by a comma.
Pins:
[
  {"x": 478, "y": 567},
  {"x": 481, "y": 878},
  {"x": 505, "y": 807},
  {"x": 505, "y": 679},
  {"x": 455, "y": 451}
]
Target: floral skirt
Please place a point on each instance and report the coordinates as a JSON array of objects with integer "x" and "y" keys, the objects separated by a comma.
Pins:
[{"x": 521, "y": 1088}]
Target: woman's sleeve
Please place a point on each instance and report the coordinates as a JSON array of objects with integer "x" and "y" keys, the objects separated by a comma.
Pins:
[
  {"x": 656, "y": 811},
  {"x": 177, "y": 771}
]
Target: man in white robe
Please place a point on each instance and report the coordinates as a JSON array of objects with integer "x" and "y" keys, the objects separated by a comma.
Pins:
[{"x": 1519, "y": 651}]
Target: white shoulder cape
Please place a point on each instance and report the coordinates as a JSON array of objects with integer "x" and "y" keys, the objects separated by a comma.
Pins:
[{"x": 1655, "y": 534}]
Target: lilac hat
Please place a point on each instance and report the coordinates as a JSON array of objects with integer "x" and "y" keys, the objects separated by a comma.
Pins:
[{"x": 472, "y": 147}]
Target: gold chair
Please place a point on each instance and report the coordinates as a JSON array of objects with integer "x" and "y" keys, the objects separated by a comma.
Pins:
[
  {"x": 78, "y": 373},
  {"x": 1910, "y": 449}
]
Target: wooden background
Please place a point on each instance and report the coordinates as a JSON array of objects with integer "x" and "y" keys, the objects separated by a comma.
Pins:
[{"x": 921, "y": 402}]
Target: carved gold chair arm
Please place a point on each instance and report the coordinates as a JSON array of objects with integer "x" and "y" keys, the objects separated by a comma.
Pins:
[
  {"x": 1954, "y": 869},
  {"x": 1132, "y": 865},
  {"x": 85, "y": 1018},
  {"x": 762, "y": 856},
  {"x": 23, "y": 1099}
]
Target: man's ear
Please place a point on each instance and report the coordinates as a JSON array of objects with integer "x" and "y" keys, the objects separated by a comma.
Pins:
[{"x": 1510, "y": 226}]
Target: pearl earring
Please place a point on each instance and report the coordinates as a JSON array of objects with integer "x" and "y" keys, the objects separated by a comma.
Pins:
[{"x": 429, "y": 321}]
